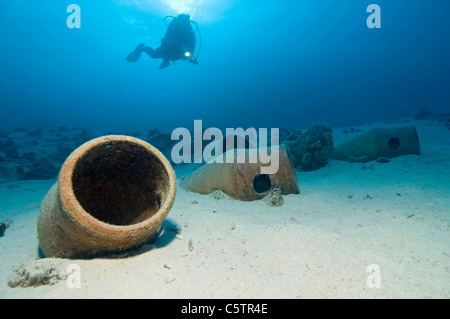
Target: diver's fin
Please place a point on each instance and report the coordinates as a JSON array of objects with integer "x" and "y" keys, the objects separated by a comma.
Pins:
[
  {"x": 165, "y": 63},
  {"x": 136, "y": 54}
]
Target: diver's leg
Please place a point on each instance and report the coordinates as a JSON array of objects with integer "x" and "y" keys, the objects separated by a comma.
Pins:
[
  {"x": 136, "y": 54},
  {"x": 155, "y": 54}
]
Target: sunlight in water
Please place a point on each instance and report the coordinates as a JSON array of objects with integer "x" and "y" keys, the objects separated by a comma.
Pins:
[
  {"x": 203, "y": 11},
  {"x": 182, "y": 6}
]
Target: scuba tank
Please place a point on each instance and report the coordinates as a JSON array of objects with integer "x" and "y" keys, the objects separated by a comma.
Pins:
[{"x": 189, "y": 54}]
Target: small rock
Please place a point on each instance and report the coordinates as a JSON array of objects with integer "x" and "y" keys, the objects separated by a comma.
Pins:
[
  {"x": 218, "y": 194},
  {"x": 169, "y": 280},
  {"x": 358, "y": 159},
  {"x": 382, "y": 160},
  {"x": 4, "y": 225},
  {"x": 274, "y": 198}
]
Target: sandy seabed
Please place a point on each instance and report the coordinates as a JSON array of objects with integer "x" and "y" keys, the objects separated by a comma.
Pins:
[{"x": 319, "y": 244}]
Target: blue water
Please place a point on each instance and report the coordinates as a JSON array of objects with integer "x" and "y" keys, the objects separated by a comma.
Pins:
[{"x": 283, "y": 63}]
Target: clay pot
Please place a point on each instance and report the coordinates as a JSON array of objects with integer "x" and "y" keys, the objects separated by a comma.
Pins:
[
  {"x": 113, "y": 193},
  {"x": 390, "y": 141},
  {"x": 243, "y": 181}
]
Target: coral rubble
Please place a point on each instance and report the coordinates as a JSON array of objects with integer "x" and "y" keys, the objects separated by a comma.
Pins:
[
  {"x": 312, "y": 150},
  {"x": 38, "y": 273}
]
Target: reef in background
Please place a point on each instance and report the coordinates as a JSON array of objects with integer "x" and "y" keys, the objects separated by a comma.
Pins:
[
  {"x": 426, "y": 114},
  {"x": 162, "y": 141},
  {"x": 36, "y": 154}
]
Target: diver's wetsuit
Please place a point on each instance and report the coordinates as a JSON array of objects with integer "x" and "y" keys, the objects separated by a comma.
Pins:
[{"x": 179, "y": 39}]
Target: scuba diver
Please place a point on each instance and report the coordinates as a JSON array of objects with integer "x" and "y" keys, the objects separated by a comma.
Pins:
[{"x": 178, "y": 43}]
